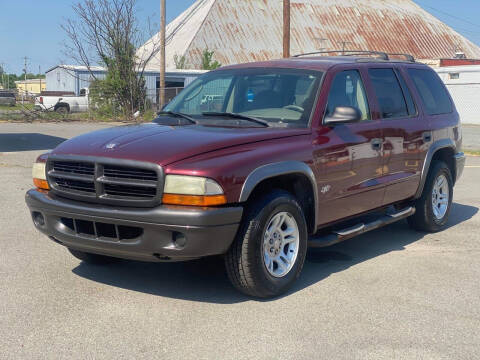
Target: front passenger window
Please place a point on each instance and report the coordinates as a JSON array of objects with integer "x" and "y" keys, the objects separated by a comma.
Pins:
[{"x": 348, "y": 90}]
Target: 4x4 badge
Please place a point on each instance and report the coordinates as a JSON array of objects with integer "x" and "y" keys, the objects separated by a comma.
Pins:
[{"x": 326, "y": 189}]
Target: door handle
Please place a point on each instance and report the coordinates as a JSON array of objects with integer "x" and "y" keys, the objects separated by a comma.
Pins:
[
  {"x": 427, "y": 136},
  {"x": 376, "y": 144}
]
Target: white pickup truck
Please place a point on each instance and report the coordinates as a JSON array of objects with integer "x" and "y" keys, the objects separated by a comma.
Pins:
[{"x": 63, "y": 104}]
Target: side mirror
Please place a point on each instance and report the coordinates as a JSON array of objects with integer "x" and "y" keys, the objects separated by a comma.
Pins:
[{"x": 343, "y": 115}]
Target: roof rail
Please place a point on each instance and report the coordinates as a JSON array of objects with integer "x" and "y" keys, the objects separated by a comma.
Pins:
[
  {"x": 381, "y": 55},
  {"x": 408, "y": 57}
]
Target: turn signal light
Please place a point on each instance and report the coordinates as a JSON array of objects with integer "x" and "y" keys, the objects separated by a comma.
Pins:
[
  {"x": 194, "y": 200},
  {"x": 41, "y": 184}
]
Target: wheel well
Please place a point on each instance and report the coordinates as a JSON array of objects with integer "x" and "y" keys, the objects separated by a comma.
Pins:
[
  {"x": 447, "y": 155},
  {"x": 59, "y": 105},
  {"x": 296, "y": 184}
]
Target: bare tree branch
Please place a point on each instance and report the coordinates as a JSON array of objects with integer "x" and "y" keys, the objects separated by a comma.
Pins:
[{"x": 107, "y": 33}]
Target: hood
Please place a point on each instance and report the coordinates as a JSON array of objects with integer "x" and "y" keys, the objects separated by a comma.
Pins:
[{"x": 164, "y": 145}]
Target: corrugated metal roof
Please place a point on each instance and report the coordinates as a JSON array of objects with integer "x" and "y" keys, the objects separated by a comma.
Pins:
[{"x": 242, "y": 31}]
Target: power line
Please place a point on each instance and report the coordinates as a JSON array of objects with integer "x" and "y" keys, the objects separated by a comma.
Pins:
[{"x": 452, "y": 16}]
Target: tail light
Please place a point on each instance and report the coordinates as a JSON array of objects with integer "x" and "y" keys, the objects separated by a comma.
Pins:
[{"x": 41, "y": 100}]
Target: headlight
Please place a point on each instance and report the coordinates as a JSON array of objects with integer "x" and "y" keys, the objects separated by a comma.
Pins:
[
  {"x": 39, "y": 175},
  {"x": 192, "y": 190}
]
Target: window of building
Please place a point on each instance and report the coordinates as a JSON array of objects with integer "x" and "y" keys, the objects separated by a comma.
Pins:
[
  {"x": 432, "y": 91},
  {"x": 389, "y": 93},
  {"x": 348, "y": 90}
]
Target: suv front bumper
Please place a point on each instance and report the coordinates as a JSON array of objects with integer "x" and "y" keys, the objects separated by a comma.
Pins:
[{"x": 163, "y": 233}]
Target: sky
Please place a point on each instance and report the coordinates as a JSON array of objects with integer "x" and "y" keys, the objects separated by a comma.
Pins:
[{"x": 31, "y": 28}]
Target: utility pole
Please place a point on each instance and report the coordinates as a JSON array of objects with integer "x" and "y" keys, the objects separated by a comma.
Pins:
[
  {"x": 286, "y": 28},
  {"x": 40, "y": 76},
  {"x": 3, "y": 75},
  {"x": 25, "y": 77},
  {"x": 162, "y": 53}
]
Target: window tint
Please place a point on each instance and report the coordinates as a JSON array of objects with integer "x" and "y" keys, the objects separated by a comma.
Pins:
[
  {"x": 432, "y": 91},
  {"x": 209, "y": 96},
  {"x": 277, "y": 95},
  {"x": 389, "y": 93},
  {"x": 412, "y": 109},
  {"x": 347, "y": 90}
]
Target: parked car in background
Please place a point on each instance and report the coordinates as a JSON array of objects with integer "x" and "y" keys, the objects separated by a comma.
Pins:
[
  {"x": 7, "y": 98},
  {"x": 64, "y": 103},
  {"x": 258, "y": 162}
]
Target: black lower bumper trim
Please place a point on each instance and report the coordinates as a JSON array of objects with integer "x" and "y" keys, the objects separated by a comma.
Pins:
[{"x": 140, "y": 234}]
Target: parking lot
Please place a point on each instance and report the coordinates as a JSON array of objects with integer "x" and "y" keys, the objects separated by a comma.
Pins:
[{"x": 390, "y": 294}]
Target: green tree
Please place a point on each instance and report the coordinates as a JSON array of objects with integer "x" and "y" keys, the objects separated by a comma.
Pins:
[
  {"x": 106, "y": 32},
  {"x": 180, "y": 61},
  {"x": 207, "y": 60}
]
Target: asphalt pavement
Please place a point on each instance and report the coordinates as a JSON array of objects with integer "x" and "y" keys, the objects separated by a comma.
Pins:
[{"x": 390, "y": 294}]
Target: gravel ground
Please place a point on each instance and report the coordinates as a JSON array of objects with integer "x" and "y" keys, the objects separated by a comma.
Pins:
[{"x": 390, "y": 294}]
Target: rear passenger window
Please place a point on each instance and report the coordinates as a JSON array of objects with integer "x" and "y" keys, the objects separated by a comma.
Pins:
[
  {"x": 412, "y": 109},
  {"x": 389, "y": 93},
  {"x": 432, "y": 91},
  {"x": 347, "y": 90}
]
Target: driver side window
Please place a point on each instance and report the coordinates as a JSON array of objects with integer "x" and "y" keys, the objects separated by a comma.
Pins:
[{"x": 347, "y": 90}]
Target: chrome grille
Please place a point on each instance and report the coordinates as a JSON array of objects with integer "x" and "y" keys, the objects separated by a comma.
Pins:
[{"x": 105, "y": 180}]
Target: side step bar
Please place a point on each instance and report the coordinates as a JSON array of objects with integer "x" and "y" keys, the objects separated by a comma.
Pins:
[{"x": 337, "y": 236}]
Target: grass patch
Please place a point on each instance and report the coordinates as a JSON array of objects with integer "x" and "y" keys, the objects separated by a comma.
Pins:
[
  {"x": 27, "y": 115},
  {"x": 18, "y": 106},
  {"x": 472, "y": 152}
]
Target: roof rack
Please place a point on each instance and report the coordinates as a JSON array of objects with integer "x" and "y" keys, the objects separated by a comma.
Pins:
[
  {"x": 380, "y": 54},
  {"x": 408, "y": 57}
]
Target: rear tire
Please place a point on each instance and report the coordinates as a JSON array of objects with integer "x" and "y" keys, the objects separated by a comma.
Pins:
[
  {"x": 433, "y": 207},
  {"x": 269, "y": 251},
  {"x": 62, "y": 110},
  {"x": 90, "y": 258}
]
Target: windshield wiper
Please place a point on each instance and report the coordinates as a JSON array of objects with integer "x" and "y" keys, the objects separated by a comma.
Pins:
[
  {"x": 237, "y": 116},
  {"x": 178, "y": 114}
]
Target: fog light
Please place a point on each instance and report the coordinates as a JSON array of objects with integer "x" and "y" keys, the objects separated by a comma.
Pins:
[
  {"x": 179, "y": 240},
  {"x": 38, "y": 219}
]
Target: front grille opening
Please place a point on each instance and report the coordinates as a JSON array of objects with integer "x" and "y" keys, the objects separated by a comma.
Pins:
[
  {"x": 130, "y": 191},
  {"x": 74, "y": 167},
  {"x": 85, "y": 227},
  {"x": 68, "y": 223},
  {"x": 106, "y": 230},
  {"x": 77, "y": 185},
  {"x": 129, "y": 173},
  {"x": 101, "y": 230},
  {"x": 105, "y": 182},
  {"x": 129, "y": 232}
]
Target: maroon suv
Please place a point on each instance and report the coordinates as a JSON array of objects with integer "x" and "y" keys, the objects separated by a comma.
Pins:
[{"x": 257, "y": 162}]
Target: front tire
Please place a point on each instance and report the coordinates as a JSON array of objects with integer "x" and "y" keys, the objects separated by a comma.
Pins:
[
  {"x": 269, "y": 251},
  {"x": 433, "y": 207},
  {"x": 90, "y": 258}
]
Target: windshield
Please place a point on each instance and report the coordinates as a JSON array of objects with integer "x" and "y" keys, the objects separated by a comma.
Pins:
[{"x": 274, "y": 95}]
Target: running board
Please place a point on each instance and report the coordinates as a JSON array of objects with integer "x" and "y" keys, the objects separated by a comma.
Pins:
[{"x": 337, "y": 236}]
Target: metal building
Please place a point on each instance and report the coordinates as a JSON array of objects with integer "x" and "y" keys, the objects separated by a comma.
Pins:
[
  {"x": 463, "y": 82},
  {"x": 72, "y": 78},
  {"x": 241, "y": 31}
]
